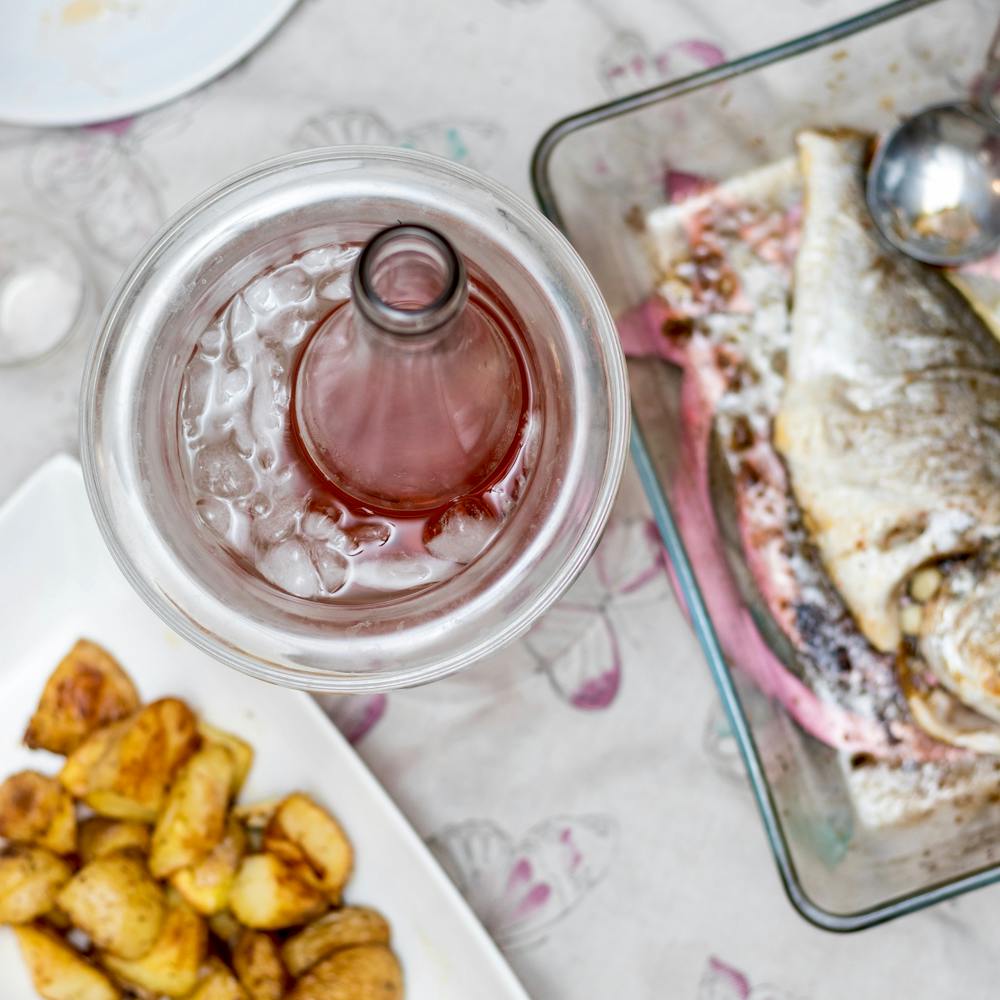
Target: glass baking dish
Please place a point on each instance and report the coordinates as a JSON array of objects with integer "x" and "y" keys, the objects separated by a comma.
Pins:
[{"x": 595, "y": 174}]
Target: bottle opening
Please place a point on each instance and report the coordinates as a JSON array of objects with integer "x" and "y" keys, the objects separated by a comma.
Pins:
[{"x": 409, "y": 280}]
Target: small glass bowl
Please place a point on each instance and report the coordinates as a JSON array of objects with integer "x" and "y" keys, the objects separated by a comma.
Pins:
[
  {"x": 208, "y": 252},
  {"x": 45, "y": 289}
]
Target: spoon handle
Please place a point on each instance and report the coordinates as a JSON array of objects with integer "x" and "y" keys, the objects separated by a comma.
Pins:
[{"x": 989, "y": 78}]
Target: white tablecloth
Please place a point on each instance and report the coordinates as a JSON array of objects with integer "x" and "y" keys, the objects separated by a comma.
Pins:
[{"x": 581, "y": 787}]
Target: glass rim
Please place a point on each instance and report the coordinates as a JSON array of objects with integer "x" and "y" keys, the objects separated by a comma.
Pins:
[{"x": 315, "y": 678}]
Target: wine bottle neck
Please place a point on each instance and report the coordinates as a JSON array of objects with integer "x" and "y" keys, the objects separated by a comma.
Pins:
[{"x": 410, "y": 284}]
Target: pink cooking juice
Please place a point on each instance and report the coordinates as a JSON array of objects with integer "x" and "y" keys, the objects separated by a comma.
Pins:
[{"x": 252, "y": 471}]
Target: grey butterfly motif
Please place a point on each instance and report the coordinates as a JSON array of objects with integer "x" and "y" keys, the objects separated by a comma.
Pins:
[{"x": 471, "y": 141}]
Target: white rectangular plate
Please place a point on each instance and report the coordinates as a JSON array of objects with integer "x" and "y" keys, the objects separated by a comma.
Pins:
[{"x": 57, "y": 583}]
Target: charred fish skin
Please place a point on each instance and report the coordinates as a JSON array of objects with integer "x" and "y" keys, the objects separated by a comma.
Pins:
[{"x": 890, "y": 421}]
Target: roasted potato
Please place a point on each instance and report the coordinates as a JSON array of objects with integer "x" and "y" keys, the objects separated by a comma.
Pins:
[
  {"x": 30, "y": 880},
  {"x": 59, "y": 972},
  {"x": 206, "y": 885},
  {"x": 123, "y": 770},
  {"x": 99, "y": 837},
  {"x": 87, "y": 690},
  {"x": 368, "y": 972},
  {"x": 35, "y": 808},
  {"x": 159, "y": 783},
  {"x": 171, "y": 966},
  {"x": 345, "y": 928},
  {"x": 301, "y": 831},
  {"x": 269, "y": 894},
  {"x": 115, "y": 901},
  {"x": 257, "y": 963},
  {"x": 193, "y": 819},
  {"x": 241, "y": 751},
  {"x": 218, "y": 983}
]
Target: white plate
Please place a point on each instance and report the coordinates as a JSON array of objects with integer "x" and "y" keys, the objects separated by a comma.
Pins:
[
  {"x": 57, "y": 583},
  {"x": 69, "y": 62}
]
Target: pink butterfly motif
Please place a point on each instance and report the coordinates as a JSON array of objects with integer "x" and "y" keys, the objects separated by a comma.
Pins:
[
  {"x": 578, "y": 643},
  {"x": 720, "y": 981},
  {"x": 629, "y": 63},
  {"x": 521, "y": 890},
  {"x": 355, "y": 715}
]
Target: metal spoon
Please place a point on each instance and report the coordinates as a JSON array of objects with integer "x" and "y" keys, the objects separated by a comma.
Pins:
[{"x": 934, "y": 182}]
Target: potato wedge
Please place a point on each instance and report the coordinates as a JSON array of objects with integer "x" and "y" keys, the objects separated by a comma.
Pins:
[
  {"x": 76, "y": 773},
  {"x": 344, "y": 928},
  {"x": 302, "y": 831},
  {"x": 241, "y": 751},
  {"x": 219, "y": 983},
  {"x": 206, "y": 885},
  {"x": 257, "y": 963},
  {"x": 99, "y": 837},
  {"x": 35, "y": 808},
  {"x": 30, "y": 880},
  {"x": 193, "y": 819},
  {"x": 123, "y": 770},
  {"x": 269, "y": 894},
  {"x": 115, "y": 901},
  {"x": 171, "y": 966},
  {"x": 86, "y": 691},
  {"x": 368, "y": 972},
  {"x": 58, "y": 971}
]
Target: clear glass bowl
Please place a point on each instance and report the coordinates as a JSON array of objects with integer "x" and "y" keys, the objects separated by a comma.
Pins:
[
  {"x": 207, "y": 253},
  {"x": 594, "y": 173}
]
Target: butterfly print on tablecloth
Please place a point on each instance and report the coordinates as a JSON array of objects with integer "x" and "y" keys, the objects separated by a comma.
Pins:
[
  {"x": 522, "y": 890},
  {"x": 355, "y": 715},
  {"x": 99, "y": 177},
  {"x": 720, "y": 981},
  {"x": 470, "y": 141},
  {"x": 639, "y": 160},
  {"x": 580, "y": 642},
  {"x": 630, "y": 63}
]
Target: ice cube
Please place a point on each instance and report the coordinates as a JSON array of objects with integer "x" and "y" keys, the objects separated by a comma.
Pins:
[
  {"x": 291, "y": 284},
  {"x": 279, "y": 521},
  {"x": 371, "y": 534},
  {"x": 259, "y": 294},
  {"x": 321, "y": 526},
  {"x": 287, "y": 565},
  {"x": 337, "y": 288},
  {"x": 331, "y": 566},
  {"x": 240, "y": 321},
  {"x": 211, "y": 343},
  {"x": 399, "y": 571},
  {"x": 461, "y": 532},
  {"x": 221, "y": 471},
  {"x": 215, "y": 514},
  {"x": 259, "y": 505},
  {"x": 197, "y": 388},
  {"x": 235, "y": 382},
  {"x": 323, "y": 260}
]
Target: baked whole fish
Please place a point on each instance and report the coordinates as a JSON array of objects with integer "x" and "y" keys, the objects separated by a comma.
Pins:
[
  {"x": 842, "y": 345},
  {"x": 890, "y": 428}
]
